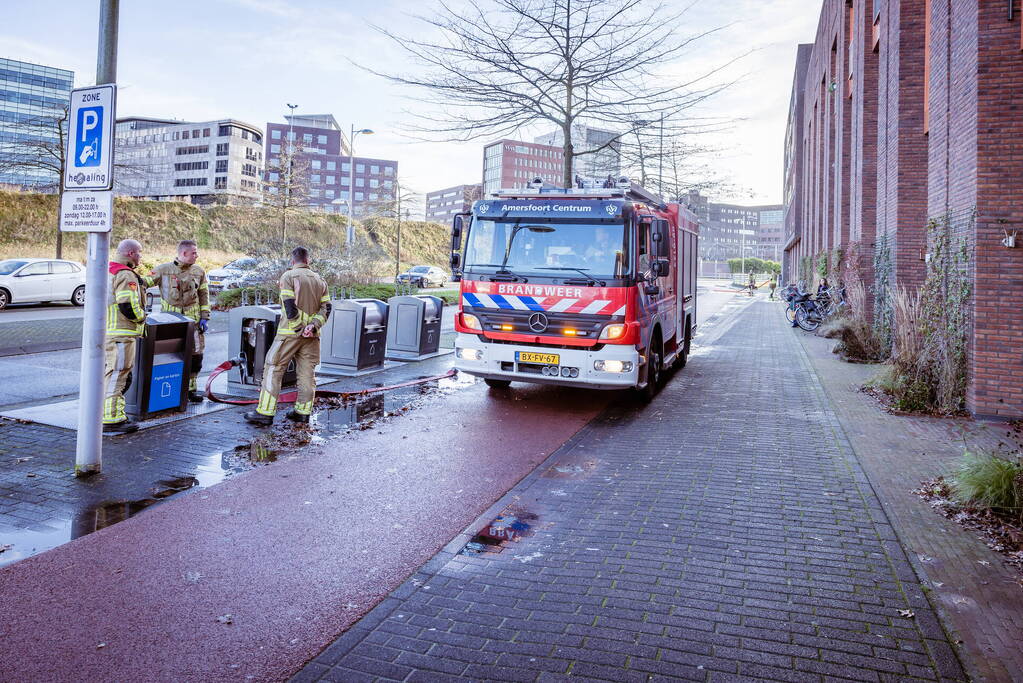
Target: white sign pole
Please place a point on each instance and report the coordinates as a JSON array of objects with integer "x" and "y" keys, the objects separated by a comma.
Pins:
[{"x": 89, "y": 450}]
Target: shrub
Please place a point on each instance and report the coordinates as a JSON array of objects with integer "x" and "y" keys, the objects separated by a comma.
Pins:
[
  {"x": 856, "y": 339},
  {"x": 230, "y": 298},
  {"x": 990, "y": 481}
]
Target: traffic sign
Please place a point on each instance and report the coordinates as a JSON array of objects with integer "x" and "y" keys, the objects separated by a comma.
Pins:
[
  {"x": 89, "y": 162},
  {"x": 86, "y": 211}
]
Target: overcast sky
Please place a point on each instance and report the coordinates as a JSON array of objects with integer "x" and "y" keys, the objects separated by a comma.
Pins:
[{"x": 244, "y": 59}]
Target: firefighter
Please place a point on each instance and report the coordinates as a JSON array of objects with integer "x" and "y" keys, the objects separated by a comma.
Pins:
[
  {"x": 184, "y": 290},
  {"x": 305, "y": 307},
  {"x": 126, "y": 321}
]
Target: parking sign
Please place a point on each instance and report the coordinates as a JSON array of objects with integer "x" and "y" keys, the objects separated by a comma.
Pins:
[{"x": 90, "y": 145}]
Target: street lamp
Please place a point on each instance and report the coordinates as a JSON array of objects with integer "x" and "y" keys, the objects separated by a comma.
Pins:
[
  {"x": 291, "y": 164},
  {"x": 351, "y": 182}
]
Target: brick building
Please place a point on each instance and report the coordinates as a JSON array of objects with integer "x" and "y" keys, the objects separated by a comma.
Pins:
[
  {"x": 910, "y": 126},
  {"x": 514, "y": 164}
]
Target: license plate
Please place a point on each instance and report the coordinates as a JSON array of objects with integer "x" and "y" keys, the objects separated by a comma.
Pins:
[{"x": 541, "y": 358}]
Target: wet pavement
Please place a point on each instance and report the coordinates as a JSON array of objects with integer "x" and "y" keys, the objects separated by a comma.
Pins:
[{"x": 704, "y": 537}]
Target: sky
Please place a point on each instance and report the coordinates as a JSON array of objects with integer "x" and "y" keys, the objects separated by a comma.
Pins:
[{"x": 246, "y": 59}]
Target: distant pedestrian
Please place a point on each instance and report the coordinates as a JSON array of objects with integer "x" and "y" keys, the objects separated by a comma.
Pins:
[
  {"x": 773, "y": 285},
  {"x": 823, "y": 287},
  {"x": 752, "y": 283},
  {"x": 184, "y": 290},
  {"x": 126, "y": 322},
  {"x": 305, "y": 307}
]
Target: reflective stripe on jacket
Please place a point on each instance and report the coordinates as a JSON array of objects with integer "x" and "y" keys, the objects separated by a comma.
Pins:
[
  {"x": 309, "y": 292},
  {"x": 183, "y": 289},
  {"x": 125, "y": 287}
]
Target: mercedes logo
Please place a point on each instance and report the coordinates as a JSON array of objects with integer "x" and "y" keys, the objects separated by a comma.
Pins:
[{"x": 538, "y": 322}]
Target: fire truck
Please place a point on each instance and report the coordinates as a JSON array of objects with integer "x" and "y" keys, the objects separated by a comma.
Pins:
[{"x": 576, "y": 287}]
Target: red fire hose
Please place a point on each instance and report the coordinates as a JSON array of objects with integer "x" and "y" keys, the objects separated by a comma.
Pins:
[{"x": 290, "y": 396}]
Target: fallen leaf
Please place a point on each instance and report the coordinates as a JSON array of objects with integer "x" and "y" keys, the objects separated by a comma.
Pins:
[
  {"x": 225, "y": 619},
  {"x": 906, "y": 613},
  {"x": 101, "y": 646}
]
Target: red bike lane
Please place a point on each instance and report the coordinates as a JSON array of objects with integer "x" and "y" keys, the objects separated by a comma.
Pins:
[{"x": 251, "y": 578}]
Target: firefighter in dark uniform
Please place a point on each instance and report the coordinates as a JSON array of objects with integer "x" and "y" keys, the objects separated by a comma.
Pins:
[
  {"x": 126, "y": 322},
  {"x": 184, "y": 290},
  {"x": 305, "y": 309}
]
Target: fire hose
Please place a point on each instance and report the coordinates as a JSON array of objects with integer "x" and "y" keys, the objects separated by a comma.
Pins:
[{"x": 290, "y": 396}]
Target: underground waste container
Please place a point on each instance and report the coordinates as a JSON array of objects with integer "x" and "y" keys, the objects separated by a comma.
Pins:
[
  {"x": 413, "y": 326},
  {"x": 354, "y": 338},
  {"x": 251, "y": 332}
]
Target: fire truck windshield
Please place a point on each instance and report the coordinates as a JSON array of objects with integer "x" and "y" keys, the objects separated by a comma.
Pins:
[{"x": 599, "y": 250}]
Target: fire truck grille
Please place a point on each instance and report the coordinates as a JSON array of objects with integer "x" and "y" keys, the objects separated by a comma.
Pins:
[{"x": 544, "y": 324}]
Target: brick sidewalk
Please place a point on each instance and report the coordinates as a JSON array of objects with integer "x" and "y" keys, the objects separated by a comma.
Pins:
[
  {"x": 726, "y": 532},
  {"x": 980, "y": 598}
]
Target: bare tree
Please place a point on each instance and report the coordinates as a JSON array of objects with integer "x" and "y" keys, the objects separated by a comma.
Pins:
[
  {"x": 395, "y": 202},
  {"x": 503, "y": 64},
  {"x": 286, "y": 183},
  {"x": 41, "y": 152}
]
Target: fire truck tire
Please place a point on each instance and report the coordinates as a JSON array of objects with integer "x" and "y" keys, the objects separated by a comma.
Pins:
[
  {"x": 654, "y": 371},
  {"x": 683, "y": 357},
  {"x": 497, "y": 383}
]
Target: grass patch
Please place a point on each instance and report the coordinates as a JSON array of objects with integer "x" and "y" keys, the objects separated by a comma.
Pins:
[
  {"x": 990, "y": 481},
  {"x": 857, "y": 342},
  {"x": 230, "y": 298}
]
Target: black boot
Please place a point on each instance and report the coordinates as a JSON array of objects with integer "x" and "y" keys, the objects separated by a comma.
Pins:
[
  {"x": 259, "y": 418},
  {"x": 298, "y": 417},
  {"x": 124, "y": 427},
  {"x": 196, "y": 397}
]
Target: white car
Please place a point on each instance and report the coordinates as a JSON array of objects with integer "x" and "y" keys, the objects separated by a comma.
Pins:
[
  {"x": 238, "y": 273},
  {"x": 32, "y": 280}
]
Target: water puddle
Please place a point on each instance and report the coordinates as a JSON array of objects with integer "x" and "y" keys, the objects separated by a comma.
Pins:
[
  {"x": 511, "y": 526},
  {"x": 333, "y": 418}
]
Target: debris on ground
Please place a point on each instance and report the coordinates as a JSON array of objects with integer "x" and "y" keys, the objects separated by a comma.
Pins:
[{"x": 997, "y": 531}]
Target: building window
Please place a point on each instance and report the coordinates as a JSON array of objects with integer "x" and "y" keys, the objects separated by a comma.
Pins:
[
  {"x": 374, "y": 169},
  {"x": 360, "y": 182},
  {"x": 388, "y": 170},
  {"x": 360, "y": 168},
  {"x": 224, "y": 131},
  {"x": 358, "y": 196},
  {"x": 373, "y": 196},
  {"x": 192, "y": 166},
  {"x": 223, "y": 148},
  {"x": 220, "y": 183},
  {"x": 389, "y": 184},
  {"x": 184, "y": 135},
  {"x": 251, "y": 154},
  {"x": 249, "y": 170},
  {"x": 345, "y": 167},
  {"x": 274, "y": 177},
  {"x": 331, "y": 180},
  {"x": 205, "y": 132},
  {"x": 331, "y": 165},
  {"x": 275, "y": 149},
  {"x": 201, "y": 149},
  {"x": 190, "y": 182},
  {"x": 321, "y": 139},
  {"x": 316, "y": 165},
  {"x": 195, "y": 133},
  {"x": 275, "y": 134},
  {"x": 245, "y": 135},
  {"x": 315, "y": 178},
  {"x": 307, "y": 138},
  {"x": 221, "y": 165},
  {"x": 373, "y": 182},
  {"x": 329, "y": 194},
  {"x": 314, "y": 193}
]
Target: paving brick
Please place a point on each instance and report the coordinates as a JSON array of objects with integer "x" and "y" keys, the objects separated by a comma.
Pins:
[{"x": 712, "y": 546}]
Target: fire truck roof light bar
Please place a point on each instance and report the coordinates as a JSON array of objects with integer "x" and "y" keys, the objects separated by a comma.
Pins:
[{"x": 634, "y": 191}]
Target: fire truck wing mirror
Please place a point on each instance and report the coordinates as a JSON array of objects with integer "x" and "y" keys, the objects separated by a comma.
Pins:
[
  {"x": 457, "y": 227},
  {"x": 652, "y": 290},
  {"x": 660, "y": 267},
  {"x": 456, "y": 260},
  {"x": 659, "y": 237}
]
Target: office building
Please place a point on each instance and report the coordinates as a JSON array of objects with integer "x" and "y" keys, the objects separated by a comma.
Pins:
[
  {"x": 323, "y": 170},
  {"x": 33, "y": 99},
  {"x": 604, "y": 161},
  {"x": 512, "y": 164},
  {"x": 728, "y": 231},
  {"x": 443, "y": 205},
  {"x": 209, "y": 162}
]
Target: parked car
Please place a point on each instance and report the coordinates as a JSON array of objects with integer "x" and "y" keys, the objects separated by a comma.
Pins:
[
  {"x": 40, "y": 280},
  {"x": 424, "y": 276},
  {"x": 241, "y": 272}
]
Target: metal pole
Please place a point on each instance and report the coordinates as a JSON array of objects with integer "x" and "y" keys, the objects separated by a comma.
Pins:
[
  {"x": 89, "y": 447},
  {"x": 351, "y": 190},
  {"x": 291, "y": 169},
  {"x": 742, "y": 248},
  {"x": 397, "y": 256}
]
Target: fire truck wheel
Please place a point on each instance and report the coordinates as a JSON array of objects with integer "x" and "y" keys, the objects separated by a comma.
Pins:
[
  {"x": 497, "y": 383},
  {"x": 654, "y": 371},
  {"x": 682, "y": 358}
]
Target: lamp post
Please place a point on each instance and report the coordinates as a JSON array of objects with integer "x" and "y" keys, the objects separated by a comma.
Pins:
[
  {"x": 291, "y": 165},
  {"x": 351, "y": 183}
]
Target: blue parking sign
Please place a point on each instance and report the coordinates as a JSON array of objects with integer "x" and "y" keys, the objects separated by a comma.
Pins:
[{"x": 89, "y": 145}]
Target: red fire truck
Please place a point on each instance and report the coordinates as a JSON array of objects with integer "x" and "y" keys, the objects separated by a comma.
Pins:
[{"x": 578, "y": 287}]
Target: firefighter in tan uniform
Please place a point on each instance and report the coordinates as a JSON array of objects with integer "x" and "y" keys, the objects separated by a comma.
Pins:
[
  {"x": 126, "y": 322},
  {"x": 184, "y": 290},
  {"x": 305, "y": 309}
]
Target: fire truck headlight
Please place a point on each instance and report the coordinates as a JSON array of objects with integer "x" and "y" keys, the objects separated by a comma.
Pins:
[
  {"x": 616, "y": 366},
  {"x": 472, "y": 322},
  {"x": 470, "y": 354},
  {"x": 616, "y": 331}
]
